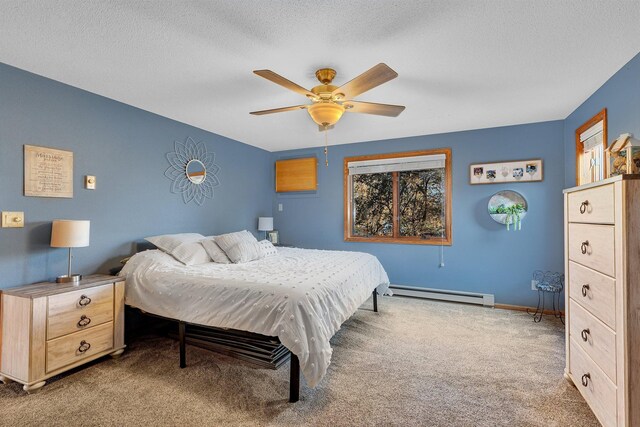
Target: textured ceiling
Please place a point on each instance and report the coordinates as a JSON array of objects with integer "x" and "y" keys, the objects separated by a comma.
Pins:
[{"x": 461, "y": 64}]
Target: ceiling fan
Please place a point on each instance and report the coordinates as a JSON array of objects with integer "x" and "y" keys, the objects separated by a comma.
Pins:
[{"x": 329, "y": 102}]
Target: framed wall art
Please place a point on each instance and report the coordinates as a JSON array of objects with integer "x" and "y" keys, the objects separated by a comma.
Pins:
[
  {"x": 48, "y": 172},
  {"x": 502, "y": 172}
]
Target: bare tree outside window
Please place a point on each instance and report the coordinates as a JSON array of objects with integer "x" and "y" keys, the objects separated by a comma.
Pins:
[
  {"x": 373, "y": 204},
  {"x": 422, "y": 201}
]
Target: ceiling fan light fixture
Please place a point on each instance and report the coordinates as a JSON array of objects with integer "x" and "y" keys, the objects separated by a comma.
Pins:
[{"x": 325, "y": 113}]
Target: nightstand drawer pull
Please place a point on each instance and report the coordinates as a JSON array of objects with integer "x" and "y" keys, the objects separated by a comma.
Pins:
[
  {"x": 583, "y": 206},
  {"x": 84, "y": 346},
  {"x": 84, "y": 301},
  {"x": 84, "y": 321},
  {"x": 585, "y": 334},
  {"x": 585, "y": 379},
  {"x": 584, "y": 247}
]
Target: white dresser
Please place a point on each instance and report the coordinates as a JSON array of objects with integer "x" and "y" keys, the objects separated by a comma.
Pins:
[{"x": 602, "y": 301}]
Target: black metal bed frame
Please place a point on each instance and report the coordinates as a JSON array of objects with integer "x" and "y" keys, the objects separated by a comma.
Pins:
[{"x": 294, "y": 370}]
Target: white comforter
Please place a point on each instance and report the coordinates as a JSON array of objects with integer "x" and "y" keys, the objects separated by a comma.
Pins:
[{"x": 301, "y": 296}]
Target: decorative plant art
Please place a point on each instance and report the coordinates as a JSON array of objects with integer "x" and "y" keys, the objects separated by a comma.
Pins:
[
  {"x": 193, "y": 171},
  {"x": 509, "y": 208}
]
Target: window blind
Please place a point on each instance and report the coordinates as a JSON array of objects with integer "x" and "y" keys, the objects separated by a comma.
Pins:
[
  {"x": 398, "y": 164},
  {"x": 592, "y": 131},
  {"x": 592, "y": 142}
]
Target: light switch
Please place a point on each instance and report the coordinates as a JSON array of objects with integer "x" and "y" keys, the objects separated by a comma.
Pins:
[
  {"x": 90, "y": 182},
  {"x": 279, "y": 207},
  {"x": 12, "y": 219}
]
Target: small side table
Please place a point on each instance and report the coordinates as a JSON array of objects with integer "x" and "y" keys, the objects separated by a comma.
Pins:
[
  {"x": 548, "y": 282},
  {"x": 48, "y": 328}
]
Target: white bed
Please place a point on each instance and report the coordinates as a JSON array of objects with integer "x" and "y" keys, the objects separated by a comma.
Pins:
[{"x": 302, "y": 296}]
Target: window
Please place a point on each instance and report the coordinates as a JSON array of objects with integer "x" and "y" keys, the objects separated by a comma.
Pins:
[
  {"x": 591, "y": 140},
  {"x": 399, "y": 198}
]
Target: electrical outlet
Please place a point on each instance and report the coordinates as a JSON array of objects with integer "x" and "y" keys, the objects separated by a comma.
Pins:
[
  {"x": 279, "y": 207},
  {"x": 534, "y": 283}
]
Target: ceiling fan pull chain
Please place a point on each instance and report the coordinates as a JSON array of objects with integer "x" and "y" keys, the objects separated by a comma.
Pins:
[{"x": 326, "y": 147}]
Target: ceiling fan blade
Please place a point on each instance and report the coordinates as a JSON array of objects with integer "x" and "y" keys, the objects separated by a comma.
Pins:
[
  {"x": 373, "y": 108},
  {"x": 371, "y": 78},
  {"x": 279, "y": 110},
  {"x": 278, "y": 79}
]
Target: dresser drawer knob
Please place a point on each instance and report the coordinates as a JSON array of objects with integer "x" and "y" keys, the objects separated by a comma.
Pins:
[
  {"x": 84, "y": 301},
  {"x": 585, "y": 379},
  {"x": 84, "y": 321},
  {"x": 583, "y": 206},
  {"x": 584, "y": 247},
  {"x": 84, "y": 347},
  {"x": 585, "y": 289},
  {"x": 585, "y": 334}
]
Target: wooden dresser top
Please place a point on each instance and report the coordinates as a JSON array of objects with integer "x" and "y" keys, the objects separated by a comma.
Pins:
[
  {"x": 603, "y": 182},
  {"x": 45, "y": 289}
]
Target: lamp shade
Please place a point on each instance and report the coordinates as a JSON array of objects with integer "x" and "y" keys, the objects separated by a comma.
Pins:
[
  {"x": 265, "y": 223},
  {"x": 67, "y": 233}
]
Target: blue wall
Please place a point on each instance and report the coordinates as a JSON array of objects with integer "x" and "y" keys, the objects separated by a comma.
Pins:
[
  {"x": 484, "y": 257},
  {"x": 620, "y": 95},
  {"x": 125, "y": 148}
]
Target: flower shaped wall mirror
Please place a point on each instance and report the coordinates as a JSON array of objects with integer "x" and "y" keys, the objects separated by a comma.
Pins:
[{"x": 192, "y": 171}]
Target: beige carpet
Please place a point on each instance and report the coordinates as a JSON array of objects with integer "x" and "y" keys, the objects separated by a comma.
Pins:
[{"x": 415, "y": 362}]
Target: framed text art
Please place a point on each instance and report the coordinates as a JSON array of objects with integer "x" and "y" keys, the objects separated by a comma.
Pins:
[
  {"x": 48, "y": 172},
  {"x": 501, "y": 172}
]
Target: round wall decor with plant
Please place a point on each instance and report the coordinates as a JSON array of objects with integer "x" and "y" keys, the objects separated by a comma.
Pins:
[{"x": 508, "y": 207}]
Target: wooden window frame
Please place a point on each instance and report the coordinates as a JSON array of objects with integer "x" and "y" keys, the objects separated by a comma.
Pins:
[
  {"x": 600, "y": 117},
  {"x": 396, "y": 238}
]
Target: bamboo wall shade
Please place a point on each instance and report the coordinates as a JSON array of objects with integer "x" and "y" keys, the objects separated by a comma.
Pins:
[{"x": 297, "y": 175}]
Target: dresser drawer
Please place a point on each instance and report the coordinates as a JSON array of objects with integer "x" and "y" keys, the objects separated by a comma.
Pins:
[
  {"x": 595, "y": 338},
  {"x": 75, "y": 347},
  {"x": 593, "y": 291},
  {"x": 593, "y": 246},
  {"x": 599, "y": 391},
  {"x": 594, "y": 205},
  {"x": 66, "y": 311}
]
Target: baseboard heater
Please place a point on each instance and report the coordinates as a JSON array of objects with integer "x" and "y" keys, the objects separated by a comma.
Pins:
[{"x": 486, "y": 300}]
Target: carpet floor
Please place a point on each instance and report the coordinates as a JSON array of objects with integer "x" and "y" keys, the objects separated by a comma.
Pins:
[{"x": 415, "y": 363}]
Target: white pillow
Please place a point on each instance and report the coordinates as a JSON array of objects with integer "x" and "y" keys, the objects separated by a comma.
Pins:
[
  {"x": 267, "y": 249},
  {"x": 245, "y": 252},
  {"x": 168, "y": 242},
  {"x": 214, "y": 251},
  {"x": 191, "y": 253},
  {"x": 226, "y": 241}
]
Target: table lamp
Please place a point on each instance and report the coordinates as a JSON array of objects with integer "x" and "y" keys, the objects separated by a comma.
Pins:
[
  {"x": 67, "y": 233},
  {"x": 265, "y": 223}
]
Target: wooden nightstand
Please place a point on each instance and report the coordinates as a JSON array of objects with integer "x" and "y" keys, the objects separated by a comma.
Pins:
[{"x": 48, "y": 328}]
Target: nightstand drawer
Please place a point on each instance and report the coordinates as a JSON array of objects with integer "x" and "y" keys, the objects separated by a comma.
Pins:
[
  {"x": 592, "y": 245},
  {"x": 79, "y": 310},
  {"x": 78, "y": 346},
  {"x": 594, "y": 205}
]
